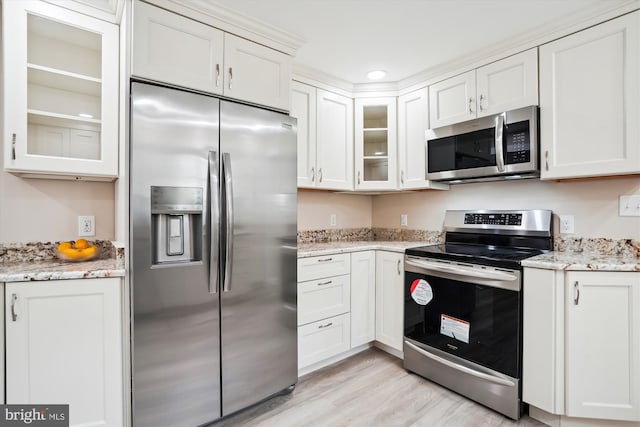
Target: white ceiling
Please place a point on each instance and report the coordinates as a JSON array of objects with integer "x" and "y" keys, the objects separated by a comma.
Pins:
[{"x": 348, "y": 38}]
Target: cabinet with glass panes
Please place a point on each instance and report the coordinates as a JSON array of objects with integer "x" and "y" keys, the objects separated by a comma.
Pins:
[
  {"x": 61, "y": 93},
  {"x": 375, "y": 144}
]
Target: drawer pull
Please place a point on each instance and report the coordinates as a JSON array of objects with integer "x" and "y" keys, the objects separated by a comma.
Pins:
[
  {"x": 325, "y": 326},
  {"x": 325, "y": 259},
  {"x": 325, "y": 283}
]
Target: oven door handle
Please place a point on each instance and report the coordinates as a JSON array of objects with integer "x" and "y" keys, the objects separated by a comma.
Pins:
[
  {"x": 458, "y": 367},
  {"x": 463, "y": 271}
]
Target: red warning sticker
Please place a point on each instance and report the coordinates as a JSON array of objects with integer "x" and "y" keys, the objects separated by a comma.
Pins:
[{"x": 421, "y": 291}]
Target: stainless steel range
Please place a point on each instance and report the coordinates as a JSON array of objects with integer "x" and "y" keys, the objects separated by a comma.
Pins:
[{"x": 463, "y": 304}]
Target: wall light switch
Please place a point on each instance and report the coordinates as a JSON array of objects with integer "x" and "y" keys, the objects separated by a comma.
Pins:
[{"x": 629, "y": 205}]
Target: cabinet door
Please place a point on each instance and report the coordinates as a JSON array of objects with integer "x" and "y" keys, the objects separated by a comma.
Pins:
[
  {"x": 603, "y": 345},
  {"x": 590, "y": 101},
  {"x": 64, "y": 346},
  {"x": 173, "y": 49},
  {"x": 543, "y": 339},
  {"x": 375, "y": 144},
  {"x": 389, "y": 298},
  {"x": 453, "y": 100},
  {"x": 60, "y": 92},
  {"x": 256, "y": 73},
  {"x": 363, "y": 297},
  {"x": 508, "y": 84},
  {"x": 334, "y": 141},
  {"x": 303, "y": 108}
]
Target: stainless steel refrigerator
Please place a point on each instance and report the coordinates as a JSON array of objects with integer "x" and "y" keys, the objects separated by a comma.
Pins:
[{"x": 213, "y": 255}]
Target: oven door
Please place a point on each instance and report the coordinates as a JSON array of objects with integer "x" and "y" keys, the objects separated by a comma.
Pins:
[{"x": 470, "y": 311}]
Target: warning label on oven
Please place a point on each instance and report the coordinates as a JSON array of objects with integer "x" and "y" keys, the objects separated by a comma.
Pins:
[
  {"x": 454, "y": 328},
  {"x": 421, "y": 291}
]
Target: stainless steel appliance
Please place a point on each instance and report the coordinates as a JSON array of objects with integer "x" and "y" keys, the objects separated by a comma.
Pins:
[
  {"x": 502, "y": 146},
  {"x": 463, "y": 304},
  {"x": 213, "y": 256}
]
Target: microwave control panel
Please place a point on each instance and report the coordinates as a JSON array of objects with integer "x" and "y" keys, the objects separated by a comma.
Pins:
[
  {"x": 518, "y": 144},
  {"x": 493, "y": 219}
]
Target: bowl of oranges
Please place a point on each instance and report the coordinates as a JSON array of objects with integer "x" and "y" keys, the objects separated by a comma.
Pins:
[{"x": 80, "y": 250}]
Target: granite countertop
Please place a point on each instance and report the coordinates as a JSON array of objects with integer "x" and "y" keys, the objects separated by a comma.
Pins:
[
  {"x": 36, "y": 261},
  {"x": 583, "y": 261},
  {"x": 316, "y": 249}
]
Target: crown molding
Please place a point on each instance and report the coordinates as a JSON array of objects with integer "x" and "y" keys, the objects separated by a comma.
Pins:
[
  {"x": 322, "y": 80},
  {"x": 211, "y": 13},
  {"x": 599, "y": 13}
]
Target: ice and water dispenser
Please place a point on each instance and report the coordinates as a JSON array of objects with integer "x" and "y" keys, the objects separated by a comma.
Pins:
[{"x": 177, "y": 224}]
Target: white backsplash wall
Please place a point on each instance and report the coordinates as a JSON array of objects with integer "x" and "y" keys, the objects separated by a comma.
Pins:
[
  {"x": 315, "y": 209},
  {"x": 593, "y": 203},
  {"x": 39, "y": 210}
]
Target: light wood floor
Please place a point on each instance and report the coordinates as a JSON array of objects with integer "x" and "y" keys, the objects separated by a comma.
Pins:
[{"x": 369, "y": 389}]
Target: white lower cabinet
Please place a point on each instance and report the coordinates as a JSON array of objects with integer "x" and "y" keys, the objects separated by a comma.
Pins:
[
  {"x": 363, "y": 297},
  {"x": 581, "y": 345},
  {"x": 64, "y": 346},
  {"x": 321, "y": 340},
  {"x": 389, "y": 298},
  {"x": 323, "y": 298}
]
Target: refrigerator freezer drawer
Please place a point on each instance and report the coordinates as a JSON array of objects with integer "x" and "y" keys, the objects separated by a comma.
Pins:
[
  {"x": 323, "y": 298},
  {"x": 321, "y": 340},
  {"x": 318, "y": 267}
]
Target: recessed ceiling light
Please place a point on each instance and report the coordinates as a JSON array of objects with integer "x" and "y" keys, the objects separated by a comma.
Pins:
[{"x": 376, "y": 75}]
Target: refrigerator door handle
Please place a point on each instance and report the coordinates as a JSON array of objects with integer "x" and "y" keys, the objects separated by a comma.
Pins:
[
  {"x": 228, "y": 206},
  {"x": 214, "y": 217}
]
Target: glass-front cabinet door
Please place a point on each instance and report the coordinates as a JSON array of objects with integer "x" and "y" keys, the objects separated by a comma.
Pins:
[
  {"x": 61, "y": 92},
  {"x": 375, "y": 144}
]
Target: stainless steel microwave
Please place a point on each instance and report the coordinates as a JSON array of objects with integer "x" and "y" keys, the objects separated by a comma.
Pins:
[{"x": 501, "y": 146}]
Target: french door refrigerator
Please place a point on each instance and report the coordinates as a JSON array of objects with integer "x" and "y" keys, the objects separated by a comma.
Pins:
[{"x": 213, "y": 255}]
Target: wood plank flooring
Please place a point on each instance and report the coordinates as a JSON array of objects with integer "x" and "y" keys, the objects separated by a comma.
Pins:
[{"x": 369, "y": 389}]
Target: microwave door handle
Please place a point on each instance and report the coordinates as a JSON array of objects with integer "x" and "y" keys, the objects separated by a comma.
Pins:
[{"x": 498, "y": 141}]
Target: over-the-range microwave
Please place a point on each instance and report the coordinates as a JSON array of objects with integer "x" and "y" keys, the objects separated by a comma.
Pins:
[{"x": 501, "y": 146}]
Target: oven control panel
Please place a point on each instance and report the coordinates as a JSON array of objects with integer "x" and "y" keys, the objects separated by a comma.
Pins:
[{"x": 493, "y": 218}]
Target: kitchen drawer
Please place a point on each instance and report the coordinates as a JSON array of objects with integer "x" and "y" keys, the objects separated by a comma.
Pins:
[
  {"x": 323, "y": 298},
  {"x": 320, "y": 340},
  {"x": 317, "y": 267}
]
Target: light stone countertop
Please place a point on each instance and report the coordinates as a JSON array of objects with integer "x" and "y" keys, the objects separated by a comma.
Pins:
[
  {"x": 60, "y": 270},
  {"x": 319, "y": 249},
  {"x": 583, "y": 261}
]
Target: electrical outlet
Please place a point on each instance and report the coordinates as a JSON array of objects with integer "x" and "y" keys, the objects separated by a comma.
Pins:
[
  {"x": 403, "y": 219},
  {"x": 333, "y": 219},
  {"x": 86, "y": 225},
  {"x": 566, "y": 224},
  {"x": 629, "y": 205}
]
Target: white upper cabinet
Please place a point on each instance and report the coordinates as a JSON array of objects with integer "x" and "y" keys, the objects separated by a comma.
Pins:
[
  {"x": 177, "y": 50},
  {"x": 452, "y": 100},
  {"x": 256, "y": 73},
  {"x": 303, "y": 108},
  {"x": 174, "y": 49},
  {"x": 603, "y": 345},
  {"x": 60, "y": 92},
  {"x": 413, "y": 121},
  {"x": 334, "y": 141},
  {"x": 503, "y": 85},
  {"x": 375, "y": 144},
  {"x": 590, "y": 101}
]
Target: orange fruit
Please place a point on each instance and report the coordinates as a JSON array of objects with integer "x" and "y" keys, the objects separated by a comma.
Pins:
[
  {"x": 81, "y": 244},
  {"x": 64, "y": 245}
]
